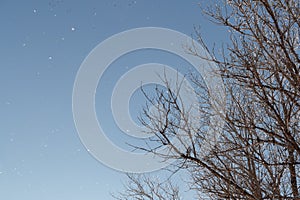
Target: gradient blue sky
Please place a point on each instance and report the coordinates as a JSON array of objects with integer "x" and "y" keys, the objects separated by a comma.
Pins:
[{"x": 43, "y": 44}]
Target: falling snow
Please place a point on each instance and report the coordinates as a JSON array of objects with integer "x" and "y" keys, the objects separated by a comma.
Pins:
[{"x": 52, "y": 32}]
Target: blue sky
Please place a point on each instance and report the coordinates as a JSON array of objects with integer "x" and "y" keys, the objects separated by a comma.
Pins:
[{"x": 43, "y": 44}]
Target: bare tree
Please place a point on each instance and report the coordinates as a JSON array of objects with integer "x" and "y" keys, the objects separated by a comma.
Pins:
[
  {"x": 143, "y": 188},
  {"x": 257, "y": 155}
]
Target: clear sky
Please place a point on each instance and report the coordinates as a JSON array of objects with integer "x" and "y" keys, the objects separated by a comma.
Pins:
[{"x": 43, "y": 44}]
